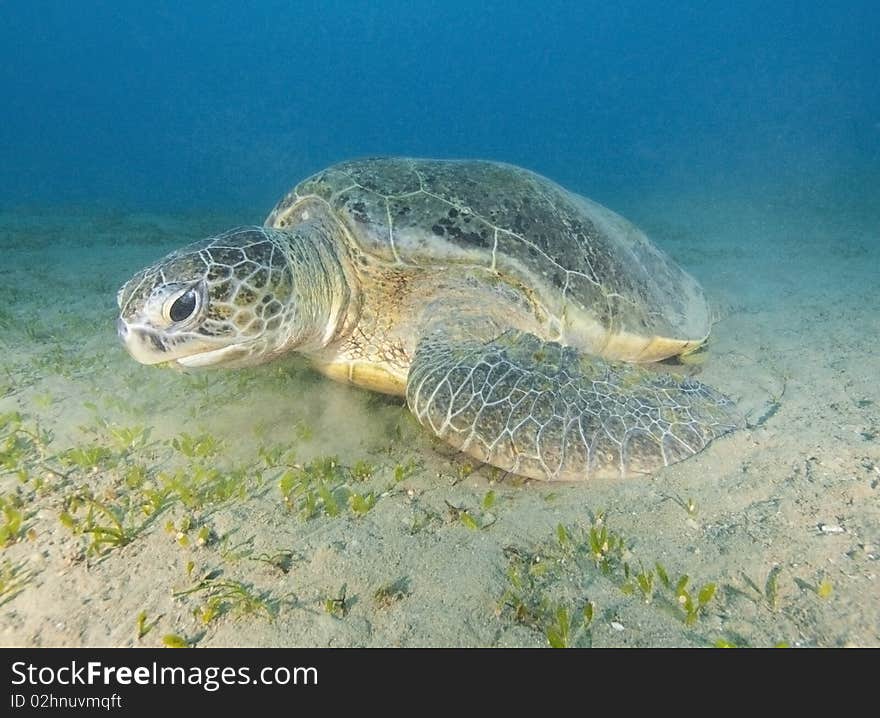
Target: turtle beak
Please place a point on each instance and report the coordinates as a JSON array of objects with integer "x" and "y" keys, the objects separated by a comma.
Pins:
[
  {"x": 225, "y": 355},
  {"x": 148, "y": 346},
  {"x": 143, "y": 345}
]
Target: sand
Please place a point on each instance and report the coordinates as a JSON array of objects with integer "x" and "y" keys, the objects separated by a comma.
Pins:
[{"x": 778, "y": 523}]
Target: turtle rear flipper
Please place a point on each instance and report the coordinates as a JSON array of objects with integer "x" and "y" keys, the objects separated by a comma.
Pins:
[{"x": 542, "y": 410}]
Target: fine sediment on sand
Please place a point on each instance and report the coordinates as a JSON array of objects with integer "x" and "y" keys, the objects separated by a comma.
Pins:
[{"x": 273, "y": 507}]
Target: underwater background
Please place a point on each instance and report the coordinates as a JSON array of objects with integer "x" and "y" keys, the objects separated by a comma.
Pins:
[
  {"x": 270, "y": 506},
  {"x": 172, "y": 105}
]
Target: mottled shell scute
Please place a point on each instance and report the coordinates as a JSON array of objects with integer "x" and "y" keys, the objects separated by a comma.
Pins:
[{"x": 582, "y": 259}]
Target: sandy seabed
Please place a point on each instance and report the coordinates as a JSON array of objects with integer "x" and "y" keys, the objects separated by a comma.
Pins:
[{"x": 140, "y": 503}]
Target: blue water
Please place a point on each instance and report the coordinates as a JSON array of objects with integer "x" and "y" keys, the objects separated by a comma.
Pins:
[{"x": 170, "y": 105}]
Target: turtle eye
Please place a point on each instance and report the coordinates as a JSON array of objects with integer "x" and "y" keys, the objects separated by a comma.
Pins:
[{"x": 184, "y": 306}]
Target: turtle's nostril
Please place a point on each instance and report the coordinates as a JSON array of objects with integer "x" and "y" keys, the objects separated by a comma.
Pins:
[{"x": 121, "y": 328}]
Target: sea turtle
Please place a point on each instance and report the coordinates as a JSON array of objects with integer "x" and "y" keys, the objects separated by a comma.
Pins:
[{"x": 511, "y": 313}]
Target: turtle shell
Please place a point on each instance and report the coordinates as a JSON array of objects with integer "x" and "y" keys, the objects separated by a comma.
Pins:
[{"x": 606, "y": 286}]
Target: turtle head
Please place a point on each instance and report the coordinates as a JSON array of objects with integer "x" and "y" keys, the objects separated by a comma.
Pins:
[{"x": 237, "y": 299}]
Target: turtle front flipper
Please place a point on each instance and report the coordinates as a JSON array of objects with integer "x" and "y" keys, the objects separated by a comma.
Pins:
[{"x": 545, "y": 411}]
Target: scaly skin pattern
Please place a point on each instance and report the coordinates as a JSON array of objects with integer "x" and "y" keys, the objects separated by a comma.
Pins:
[
  {"x": 545, "y": 411},
  {"x": 259, "y": 292}
]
